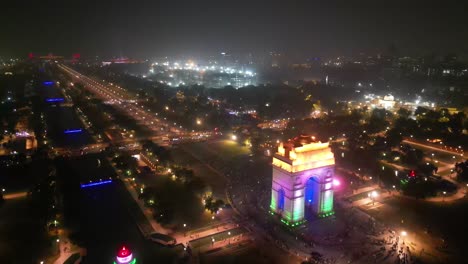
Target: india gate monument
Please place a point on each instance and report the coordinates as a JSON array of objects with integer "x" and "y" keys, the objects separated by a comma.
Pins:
[{"x": 303, "y": 170}]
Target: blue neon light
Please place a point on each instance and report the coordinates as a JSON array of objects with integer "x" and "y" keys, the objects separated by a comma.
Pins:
[
  {"x": 73, "y": 131},
  {"x": 48, "y": 83},
  {"x": 51, "y": 100},
  {"x": 309, "y": 192},
  {"x": 281, "y": 199},
  {"x": 95, "y": 183}
]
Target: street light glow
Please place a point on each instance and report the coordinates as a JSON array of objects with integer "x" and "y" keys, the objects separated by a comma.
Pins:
[{"x": 336, "y": 182}]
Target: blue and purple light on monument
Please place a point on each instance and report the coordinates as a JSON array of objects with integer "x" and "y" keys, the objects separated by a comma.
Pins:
[
  {"x": 73, "y": 131},
  {"x": 48, "y": 83}
]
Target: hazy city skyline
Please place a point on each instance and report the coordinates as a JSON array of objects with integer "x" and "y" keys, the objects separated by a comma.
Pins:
[{"x": 163, "y": 28}]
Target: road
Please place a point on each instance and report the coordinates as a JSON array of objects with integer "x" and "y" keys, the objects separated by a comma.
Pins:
[
  {"x": 459, "y": 152},
  {"x": 15, "y": 195},
  {"x": 128, "y": 103}
]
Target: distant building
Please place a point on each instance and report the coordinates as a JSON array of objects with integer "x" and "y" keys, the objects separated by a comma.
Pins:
[
  {"x": 23, "y": 142},
  {"x": 125, "y": 256},
  {"x": 388, "y": 102}
]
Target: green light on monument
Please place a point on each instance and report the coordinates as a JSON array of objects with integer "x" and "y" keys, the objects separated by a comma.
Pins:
[{"x": 327, "y": 202}]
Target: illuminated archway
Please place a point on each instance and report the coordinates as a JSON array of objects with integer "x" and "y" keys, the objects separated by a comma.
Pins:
[{"x": 302, "y": 178}]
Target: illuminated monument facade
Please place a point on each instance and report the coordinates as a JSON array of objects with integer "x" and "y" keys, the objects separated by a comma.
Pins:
[{"x": 303, "y": 171}]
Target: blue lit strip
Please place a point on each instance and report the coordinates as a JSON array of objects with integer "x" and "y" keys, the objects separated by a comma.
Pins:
[
  {"x": 95, "y": 183},
  {"x": 72, "y": 131},
  {"x": 48, "y": 83},
  {"x": 54, "y": 100}
]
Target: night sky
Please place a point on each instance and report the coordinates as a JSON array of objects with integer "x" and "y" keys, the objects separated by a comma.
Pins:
[{"x": 195, "y": 27}]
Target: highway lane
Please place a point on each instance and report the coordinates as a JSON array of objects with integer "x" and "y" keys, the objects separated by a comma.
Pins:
[
  {"x": 126, "y": 102},
  {"x": 427, "y": 146}
]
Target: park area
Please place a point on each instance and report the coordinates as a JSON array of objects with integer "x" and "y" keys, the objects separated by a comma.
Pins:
[{"x": 208, "y": 159}]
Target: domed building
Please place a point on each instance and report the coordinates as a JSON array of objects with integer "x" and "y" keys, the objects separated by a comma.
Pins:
[{"x": 125, "y": 256}]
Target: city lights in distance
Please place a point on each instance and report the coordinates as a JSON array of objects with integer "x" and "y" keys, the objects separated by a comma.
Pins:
[{"x": 191, "y": 72}]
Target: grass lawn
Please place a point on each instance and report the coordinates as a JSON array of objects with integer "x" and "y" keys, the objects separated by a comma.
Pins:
[{"x": 228, "y": 149}]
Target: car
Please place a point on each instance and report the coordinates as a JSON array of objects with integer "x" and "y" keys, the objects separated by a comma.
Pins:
[{"x": 162, "y": 239}]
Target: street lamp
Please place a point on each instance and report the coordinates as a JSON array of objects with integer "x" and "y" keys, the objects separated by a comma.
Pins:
[
  {"x": 404, "y": 234},
  {"x": 373, "y": 195},
  {"x": 234, "y": 137},
  {"x": 443, "y": 198}
]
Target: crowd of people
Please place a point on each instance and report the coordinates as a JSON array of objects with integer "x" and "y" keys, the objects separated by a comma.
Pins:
[{"x": 249, "y": 191}]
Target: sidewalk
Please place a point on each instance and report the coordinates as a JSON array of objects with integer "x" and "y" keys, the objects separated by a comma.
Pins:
[
  {"x": 227, "y": 243},
  {"x": 147, "y": 212},
  {"x": 183, "y": 239},
  {"x": 396, "y": 166},
  {"x": 67, "y": 249},
  {"x": 362, "y": 190},
  {"x": 460, "y": 194}
]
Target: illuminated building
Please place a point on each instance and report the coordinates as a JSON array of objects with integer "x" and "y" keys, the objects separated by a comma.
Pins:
[
  {"x": 303, "y": 171},
  {"x": 190, "y": 73},
  {"x": 125, "y": 256},
  {"x": 49, "y": 57},
  {"x": 23, "y": 142}
]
